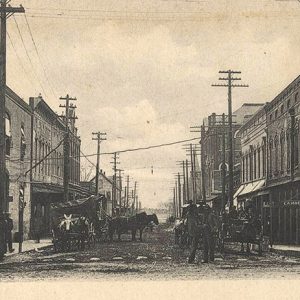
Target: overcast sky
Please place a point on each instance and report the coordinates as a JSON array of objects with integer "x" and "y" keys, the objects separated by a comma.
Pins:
[{"x": 142, "y": 69}]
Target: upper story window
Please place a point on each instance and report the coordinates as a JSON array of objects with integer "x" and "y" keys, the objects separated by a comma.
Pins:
[
  {"x": 7, "y": 134},
  {"x": 23, "y": 144},
  {"x": 289, "y": 103},
  {"x": 271, "y": 117},
  {"x": 296, "y": 97},
  {"x": 282, "y": 108},
  {"x": 276, "y": 114}
]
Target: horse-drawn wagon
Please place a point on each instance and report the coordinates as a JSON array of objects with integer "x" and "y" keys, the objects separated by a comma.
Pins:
[
  {"x": 75, "y": 223},
  {"x": 245, "y": 228}
]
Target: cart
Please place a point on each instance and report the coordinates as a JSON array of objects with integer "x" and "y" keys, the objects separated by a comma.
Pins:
[{"x": 74, "y": 223}]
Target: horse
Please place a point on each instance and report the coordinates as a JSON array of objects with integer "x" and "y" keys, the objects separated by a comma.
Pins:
[{"x": 123, "y": 225}]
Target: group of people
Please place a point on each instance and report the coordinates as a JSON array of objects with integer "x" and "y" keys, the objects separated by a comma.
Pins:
[{"x": 202, "y": 222}]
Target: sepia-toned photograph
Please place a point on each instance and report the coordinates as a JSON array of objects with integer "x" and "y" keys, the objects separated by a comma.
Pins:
[{"x": 149, "y": 140}]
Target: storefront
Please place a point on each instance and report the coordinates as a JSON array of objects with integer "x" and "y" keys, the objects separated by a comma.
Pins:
[{"x": 285, "y": 206}]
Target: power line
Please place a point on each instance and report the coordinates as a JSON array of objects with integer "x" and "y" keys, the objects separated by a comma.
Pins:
[
  {"x": 38, "y": 55},
  {"x": 145, "y": 148},
  {"x": 130, "y": 150},
  {"x": 20, "y": 34},
  {"x": 19, "y": 59}
]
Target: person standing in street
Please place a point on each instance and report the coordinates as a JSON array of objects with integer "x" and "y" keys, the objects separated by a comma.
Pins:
[{"x": 8, "y": 233}]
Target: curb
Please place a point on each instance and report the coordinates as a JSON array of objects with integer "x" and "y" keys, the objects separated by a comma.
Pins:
[{"x": 287, "y": 253}]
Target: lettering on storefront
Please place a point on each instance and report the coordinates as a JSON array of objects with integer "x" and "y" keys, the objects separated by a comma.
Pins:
[{"x": 291, "y": 203}]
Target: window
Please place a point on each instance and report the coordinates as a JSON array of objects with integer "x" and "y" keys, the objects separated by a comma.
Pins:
[
  {"x": 288, "y": 150},
  {"x": 7, "y": 134},
  {"x": 254, "y": 165},
  {"x": 289, "y": 103},
  {"x": 282, "y": 108},
  {"x": 296, "y": 97},
  {"x": 281, "y": 151},
  {"x": 276, "y": 114},
  {"x": 258, "y": 162},
  {"x": 23, "y": 144},
  {"x": 271, "y": 158},
  {"x": 270, "y": 117},
  {"x": 296, "y": 149},
  {"x": 276, "y": 155}
]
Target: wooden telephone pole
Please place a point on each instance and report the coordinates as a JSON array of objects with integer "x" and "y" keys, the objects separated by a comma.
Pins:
[
  {"x": 114, "y": 190},
  {"x": 99, "y": 138},
  {"x": 229, "y": 84},
  {"x": 67, "y": 117},
  {"x": 6, "y": 12}
]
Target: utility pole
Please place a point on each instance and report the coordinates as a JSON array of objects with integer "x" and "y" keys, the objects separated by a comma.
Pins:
[
  {"x": 192, "y": 173},
  {"x": 134, "y": 195},
  {"x": 203, "y": 163},
  {"x": 125, "y": 197},
  {"x": 137, "y": 203},
  {"x": 187, "y": 181},
  {"x": 223, "y": 164},
  {"x": 179, "y": 195},
  {"x": 67, "y": 117},
  {"x": 120, "y": 190},
  {"x": 176, "y": 199},
  {"x": 114, "y": 190},
  {"x": 195, "y": 173},
  {"x": 174, "y": 202},
  {"x": 184, "y": 188},
  {"x": 6, "y": 12},
  {"x": 127, "y": 194},
  {"x": 229, "y": 84},
  {"x": 99, "y": 138}
]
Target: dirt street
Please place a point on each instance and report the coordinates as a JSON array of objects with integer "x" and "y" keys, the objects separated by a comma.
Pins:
[{"x": 155, "y": 258}]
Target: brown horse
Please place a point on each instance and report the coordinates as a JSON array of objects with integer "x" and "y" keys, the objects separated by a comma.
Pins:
[{"x": 137, "y": 222}]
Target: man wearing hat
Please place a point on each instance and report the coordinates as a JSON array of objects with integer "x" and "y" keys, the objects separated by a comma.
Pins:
[{"x": 7, "y": 232}]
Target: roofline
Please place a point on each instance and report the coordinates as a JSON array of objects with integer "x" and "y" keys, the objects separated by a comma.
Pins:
[{"x": 16, "y": 98}]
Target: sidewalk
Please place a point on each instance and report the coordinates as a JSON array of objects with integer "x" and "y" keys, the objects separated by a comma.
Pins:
[
  {"x": 286, "y": 250},
  {"x": 30, "y": 245}
]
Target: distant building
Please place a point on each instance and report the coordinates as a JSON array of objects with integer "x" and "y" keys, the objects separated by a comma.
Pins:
[
  {"x": 212, "y": 148},
  {"x": 105, "y": 188}
]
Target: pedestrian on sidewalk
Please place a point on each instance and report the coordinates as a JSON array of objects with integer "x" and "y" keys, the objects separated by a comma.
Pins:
[{"x": 8, "y": 233}]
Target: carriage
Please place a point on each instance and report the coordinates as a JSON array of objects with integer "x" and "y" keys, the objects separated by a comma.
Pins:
[
  {"x": 76, "y": 223},
  {"x": 244, "y": 229}
]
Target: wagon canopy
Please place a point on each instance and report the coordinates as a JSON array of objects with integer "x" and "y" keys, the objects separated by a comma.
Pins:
[{"x": 87, "y": 207}]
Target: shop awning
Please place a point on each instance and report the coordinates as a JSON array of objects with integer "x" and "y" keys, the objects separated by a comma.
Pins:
[{"x": 252, "y": 187}]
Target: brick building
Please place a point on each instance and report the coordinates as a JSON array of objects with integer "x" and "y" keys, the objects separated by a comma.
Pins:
[
  {"x": 283, "y": 174},
  {"x": 254, "y": 165},
  {"x": 18, "y": 146},
  {"x": 212, "y": 148},
  {"x": 47, "y": 177},
  {"x": 270, "y": 165}
]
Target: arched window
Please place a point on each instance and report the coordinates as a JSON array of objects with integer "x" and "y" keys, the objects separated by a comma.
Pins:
[
  {"x": 8, "y": 137},
  {"x": 270, "y": 158},
  {"x": 282, "y": 140},
  {"x": 288, "y": 150},
  {"x": 276, "y": 154},
  {"x": 296, "y": 142},
  {"x": 22, "y": 144},
  {"x": 258, "y": 162}
]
